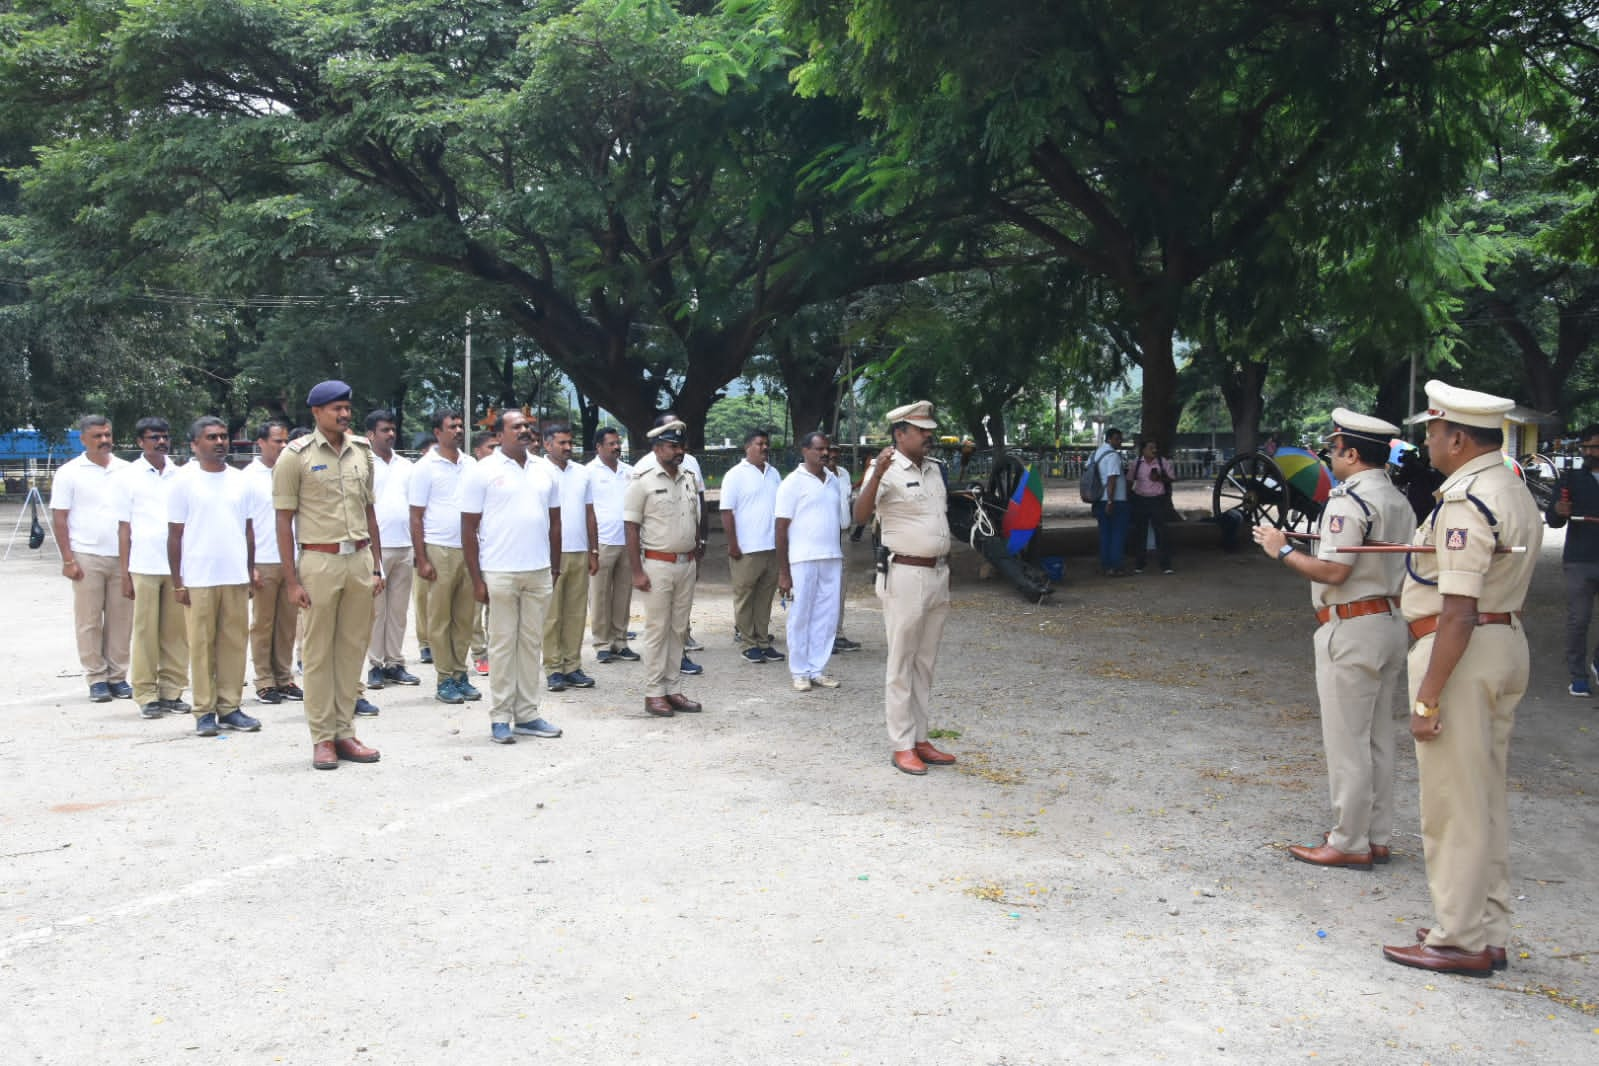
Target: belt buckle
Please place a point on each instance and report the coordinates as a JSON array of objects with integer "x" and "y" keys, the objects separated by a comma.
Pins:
[{"x": 346, "y": 547}]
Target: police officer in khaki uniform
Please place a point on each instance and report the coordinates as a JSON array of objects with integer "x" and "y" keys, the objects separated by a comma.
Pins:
[
  {"x": 322, "y": 490},
  {"x": 1360, "y": 638},
  {"x": 661, "y": 515},
  {"x": 905, "y": 487},
  {"x": 1468, "y": 671}
]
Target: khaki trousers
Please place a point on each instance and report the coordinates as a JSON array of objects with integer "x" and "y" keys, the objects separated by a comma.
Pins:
[
  {"x": 103, "y": 617},
  {"x": 1465, "y": 817},
  {"x": 274, "y": 625},
  {"x": 160, "y": 646},
  {"x": 219, "y": 621},
  {"x": 915, "y": 603},
  {"x": 419, "y": 607},
  {"x": 387, "y": 647},
  {"x": 754, "y": 576},
  {"x": 452, "y": 611},
  {"x": 518, "y": 600},
  {"x": 337, "y": 628},
  {"x": 1360, "y": 668},
  {"x": 666, "y": 607},
  {"x": 610, "y": 599},
  {"x": 480, "y": 628},
  {"x": 563, "y": 626}
]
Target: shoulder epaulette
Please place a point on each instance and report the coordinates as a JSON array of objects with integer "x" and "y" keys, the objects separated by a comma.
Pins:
[
  {"x": 355, "y": 438},
  {"x": 300, "y": 444},
  {"x": 1460, "y": 490}
]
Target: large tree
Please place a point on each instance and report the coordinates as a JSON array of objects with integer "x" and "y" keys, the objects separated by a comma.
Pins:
[
  {"x": 632, "y": 185},
  {"x": 1148, "y": 144}
]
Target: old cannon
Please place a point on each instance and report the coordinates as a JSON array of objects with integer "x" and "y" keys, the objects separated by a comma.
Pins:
[{"x": 977, "y": 516}]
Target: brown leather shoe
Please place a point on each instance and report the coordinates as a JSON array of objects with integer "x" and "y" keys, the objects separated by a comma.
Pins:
[
  {"x": 1327, "y": 855},
  {"x": 658, "y": 706},
  {"x": 323, "y": 756},
  {"x": 1501, "y": 959},
  {"x": 906, "y": 762},
  {"x": 1381, "y": 854},
  {"x": 931, "y": 755},
  {"x": 1442, "y": 960},
  {"x": 352, "y": 750},
  {"x": 682, "y": 703}
]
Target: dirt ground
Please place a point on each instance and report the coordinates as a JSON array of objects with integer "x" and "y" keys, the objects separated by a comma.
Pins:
[{"x": 1102, "y": 878}]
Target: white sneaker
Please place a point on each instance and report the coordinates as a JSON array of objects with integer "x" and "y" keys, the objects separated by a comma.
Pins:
[
  {"x": 824, "y": 681},
  {"x": 802, "y": 684}
]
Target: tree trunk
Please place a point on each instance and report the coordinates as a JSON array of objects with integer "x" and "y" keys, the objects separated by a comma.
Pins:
[
  {"x": 1160, "y": 407},
  {"x": 588, "y": 413},
  {"x": 1244, "y": 391}
]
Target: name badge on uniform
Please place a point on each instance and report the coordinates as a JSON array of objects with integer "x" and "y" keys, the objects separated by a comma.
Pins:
[
  {"x": 912, "y": 484},
  {"x": 319, "y": 466},
  {"x": 660, "y": 492},
  {"x": 1455, "y": 540},
  {"x": 1335, "y": 524}
]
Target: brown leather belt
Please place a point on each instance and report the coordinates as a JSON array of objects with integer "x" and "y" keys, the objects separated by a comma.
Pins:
[
  {"x": 1427, "y": 626},
  {"x": 333, "y": 549},
  {"x": 668, "y": 557},
  {"x": 918, "y": 560},
  {"x": 1356, "y": 608}
]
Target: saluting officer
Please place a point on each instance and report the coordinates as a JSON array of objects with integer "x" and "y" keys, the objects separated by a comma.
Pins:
[
  {"x": 905, "y": 487},
  {"x": 1468, "y": 671},
  {"x": 661, "y": 515},
  {"x": 322, "y": 490},
  {"x": 1360, "y": 638}
]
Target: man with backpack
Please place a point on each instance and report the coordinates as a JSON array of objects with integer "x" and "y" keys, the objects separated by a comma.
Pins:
[{"x": 1104, "y": 485}]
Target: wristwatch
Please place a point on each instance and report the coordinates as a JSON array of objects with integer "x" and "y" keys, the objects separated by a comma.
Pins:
[
  {"x": 1426, "y": 710},
  {"x": 1284, "y": 552}
]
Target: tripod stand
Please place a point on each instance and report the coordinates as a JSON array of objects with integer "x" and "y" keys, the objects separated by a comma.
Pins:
[{"x": 32, "y": 504}]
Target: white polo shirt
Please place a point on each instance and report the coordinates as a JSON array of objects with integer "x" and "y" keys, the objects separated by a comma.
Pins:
[
  {"x": 142, "y": 492},
  {"x": 390, "y": 481},
  {"x": 608, "y": 487},
  {"x": 577, "y": 492},
  {"x": 213, "y": 509},
  {"x": 751, "y": 494},
  {"x": 436, "y": 485},
  {"x": 85, "y": 490},
  {"x": 515, "y": 500},
  {"x": 263, "y": 516},
  {"x": 815, "y": 514}
]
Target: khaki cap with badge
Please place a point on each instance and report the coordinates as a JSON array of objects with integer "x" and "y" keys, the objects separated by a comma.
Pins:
[
  {"x": 1463, "y": 407},
  {"x": 668, "y": 433},
  {"x": 919, "y": 414},
  {"x": 1347, "y": 423}
]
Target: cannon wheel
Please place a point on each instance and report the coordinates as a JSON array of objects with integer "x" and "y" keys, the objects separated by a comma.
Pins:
[
  {"x": 1008, "y": 473},
  {"x": 1251, "y": 485}
]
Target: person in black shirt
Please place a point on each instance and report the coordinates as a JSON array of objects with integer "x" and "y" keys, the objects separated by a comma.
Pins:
[{"x": 1576, "y": 500}]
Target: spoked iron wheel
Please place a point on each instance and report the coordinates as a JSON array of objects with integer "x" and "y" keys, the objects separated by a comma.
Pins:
[{"x": 1255, "y": 488}]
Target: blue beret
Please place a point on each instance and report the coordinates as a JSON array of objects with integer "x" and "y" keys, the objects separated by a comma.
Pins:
[{"x": 327, "y": 392}]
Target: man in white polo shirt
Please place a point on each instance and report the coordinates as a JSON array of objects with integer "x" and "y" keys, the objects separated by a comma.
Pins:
[
  {"x": 580, "y": 559},
  {"x": 511, "y": 537},
  {"x": 160, "y": 647},
  {"x": 391, "y": 477},
  {"x": 211, "y": 550},
  {"x": 810, "y": 561},
  {"x": 611, "y": 588},
  {"x": 749, "y": 496},
  {"x": 434, "y": 496},
  {"x": 274, "y": 619},
  {"x": 83, "y": 514}
]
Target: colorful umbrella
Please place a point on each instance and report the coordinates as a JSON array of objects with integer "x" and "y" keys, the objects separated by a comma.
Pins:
[
  {"x": 1025, "y": 512},
  {"x": 1305, "y": 472},
  {"x": 1397, "y": 449}
]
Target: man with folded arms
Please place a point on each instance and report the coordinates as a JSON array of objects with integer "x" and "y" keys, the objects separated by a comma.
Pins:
[
  {"x": 434, "y": 494},
  {"x": 511, "y": 538},
  {"x": 905, "y": 487},
  {"x": 1360, "y": 638},
  {"x": 160, "y": 648},
  {"x": 661, "y": 513},
  {"x": 83, "y": 515},
  {"x": 211, "y": 551},
  {"x": 391, "y": 475},
  {"x": 580, "y": 559},
  {"x": 1468, "y": 672},
  {"x": 274, "y": 619},
  {"x": 322, "y": 489},
  {"x": 611, "y": 588},
  {"x": 810, "y": 562}
]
